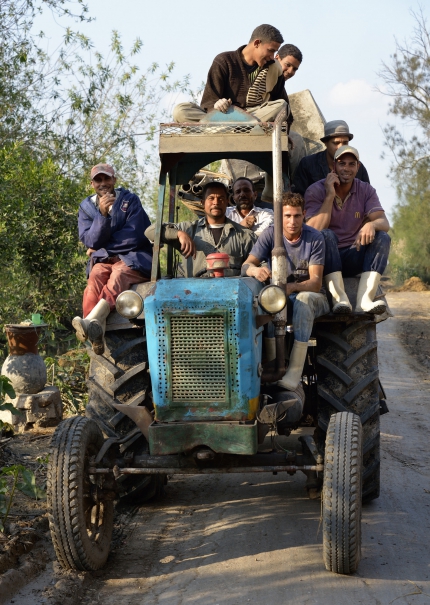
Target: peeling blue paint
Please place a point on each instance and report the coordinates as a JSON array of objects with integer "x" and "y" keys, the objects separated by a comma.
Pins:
[{"x": 228, "y": 305}]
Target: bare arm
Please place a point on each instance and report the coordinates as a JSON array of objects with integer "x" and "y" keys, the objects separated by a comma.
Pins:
[
  {"x": 313, "y": 284},
  {"x": 254, "y": 269},
  {"x": 377, "y": 221},
  {"x": 322, "y": 219}
]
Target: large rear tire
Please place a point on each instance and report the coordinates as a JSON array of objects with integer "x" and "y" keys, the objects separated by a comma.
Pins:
[
  {"x": 121, "y": 375},
  {"x": 347, "y": 368},
  {"x": 341, "y": 500},
  {"x": 81, "y": 524}
]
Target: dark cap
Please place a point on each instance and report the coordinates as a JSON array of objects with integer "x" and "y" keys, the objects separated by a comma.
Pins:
[{"x": 336, "y": 128}]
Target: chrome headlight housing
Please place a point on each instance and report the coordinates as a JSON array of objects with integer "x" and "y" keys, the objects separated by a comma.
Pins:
[
  {"x": 129, "y": 304},
  {"x": 272, "y": 299}
]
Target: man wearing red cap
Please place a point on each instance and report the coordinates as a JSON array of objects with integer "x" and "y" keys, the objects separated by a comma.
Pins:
[{"x": 111, "y": 226}]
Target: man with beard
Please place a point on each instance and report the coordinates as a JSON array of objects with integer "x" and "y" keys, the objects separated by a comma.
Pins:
[
  {"x": 212, "y": 233},
  {"x": 111, "y": 226},
  {"x": 245, "y": 213},
  {"x": 349, "y": 214}
]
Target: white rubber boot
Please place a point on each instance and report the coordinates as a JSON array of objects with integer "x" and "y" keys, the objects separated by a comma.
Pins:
[
  {"x": 292, "y": 376},
  {"x": 267, "y": 195},
  {"x": 93, "y": 326},
  {"x": 334, "y": 283},
  {"x": 367, "y": 287},
  {"x": 270, "y": 347}
]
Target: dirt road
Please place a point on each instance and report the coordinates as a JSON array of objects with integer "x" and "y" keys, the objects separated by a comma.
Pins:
[{"x": 239, "y": 539}]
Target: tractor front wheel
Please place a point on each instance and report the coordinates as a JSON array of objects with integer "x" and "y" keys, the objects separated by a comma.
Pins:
[{"x": 80, "y": 520}]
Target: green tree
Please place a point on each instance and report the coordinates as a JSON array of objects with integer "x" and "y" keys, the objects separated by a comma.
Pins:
[
  {"x": 43, "y": 267},
  {"x": 407, "y": 81},
  {"x": 26, "y": 75},
  {"x": 59, "y": 115}
]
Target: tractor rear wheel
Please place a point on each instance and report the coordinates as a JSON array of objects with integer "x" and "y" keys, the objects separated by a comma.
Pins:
[
  {"x": 121, "y": 375},
  {"x": 341, "y": 500},
  {"x": 347, "y": 368}
]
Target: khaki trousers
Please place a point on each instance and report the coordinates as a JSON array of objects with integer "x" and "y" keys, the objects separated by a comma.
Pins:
[{"x": 191, "y": 112}]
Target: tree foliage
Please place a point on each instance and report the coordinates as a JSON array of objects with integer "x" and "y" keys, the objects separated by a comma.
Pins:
[
  {"x": 407, "y": 81},
  {"x": 61, "y": 113}
]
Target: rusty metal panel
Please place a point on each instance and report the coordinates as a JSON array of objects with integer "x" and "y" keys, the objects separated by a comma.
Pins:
[
  {"x": 218, "y": 142},
  {"x": 221, "y": 437}
]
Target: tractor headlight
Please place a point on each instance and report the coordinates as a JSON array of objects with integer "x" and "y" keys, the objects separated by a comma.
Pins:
[
  {"x": 129, "y": 304},
  {"x": 273, "y": 299}
]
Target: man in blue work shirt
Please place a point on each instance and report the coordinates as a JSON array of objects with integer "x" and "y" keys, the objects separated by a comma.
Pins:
[{"x": 112, "y": 227}]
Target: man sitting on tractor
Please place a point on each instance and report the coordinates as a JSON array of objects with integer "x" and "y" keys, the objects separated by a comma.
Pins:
[
  {"x": 290, "y": 59},
  {"x": 111, "y": 225},
  {"x": 210, "y": 234},
  {"x": 313, "y": 168},
  {"x": 305, "y": 257},
  {"x": 248, "y": 77},
  {"x": 245, "y": 213},
  {"x": 354, "y": 225}
]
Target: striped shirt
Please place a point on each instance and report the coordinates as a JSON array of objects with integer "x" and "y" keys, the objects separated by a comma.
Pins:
[{"x": 257, "y": 90}]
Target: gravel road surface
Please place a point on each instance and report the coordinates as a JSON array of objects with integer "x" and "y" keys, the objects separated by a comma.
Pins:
[{"x": 255, "y": 538}]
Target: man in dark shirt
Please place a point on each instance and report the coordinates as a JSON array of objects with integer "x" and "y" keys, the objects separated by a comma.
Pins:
[
  {"x": 316, "y": 167},
  {"x": 248, "y": 77},
  {"x": 212, "y": 233},
  {"x": 305, "y": 256}
]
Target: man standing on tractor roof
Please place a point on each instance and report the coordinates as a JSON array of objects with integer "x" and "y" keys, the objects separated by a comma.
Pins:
[
  {"x": 245, "y": 213},
  {"x": 313, "y": 168},
  {"x": 248, "y": 77},
  {"x": 305, "y": 257},
  {"x": 354, "y": 225},
  {"x": 212, "y": 233},
  {"x": 111, "y": 225}
]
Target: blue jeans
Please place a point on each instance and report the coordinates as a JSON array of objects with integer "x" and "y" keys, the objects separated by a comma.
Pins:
[
  {"x": 351, "y": 261},
  {"x": 307, "y": 306}
]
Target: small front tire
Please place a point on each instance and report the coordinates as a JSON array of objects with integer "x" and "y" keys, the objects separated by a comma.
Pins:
[{"x": 341, "y": 497}]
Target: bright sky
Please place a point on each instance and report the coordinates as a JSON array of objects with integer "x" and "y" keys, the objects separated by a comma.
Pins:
[{"x": 343, "y": 45}]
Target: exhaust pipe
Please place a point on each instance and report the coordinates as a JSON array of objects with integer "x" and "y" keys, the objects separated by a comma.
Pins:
[
  {"x": 196, "y": 189},
  {"x": 186, "y": 187}
]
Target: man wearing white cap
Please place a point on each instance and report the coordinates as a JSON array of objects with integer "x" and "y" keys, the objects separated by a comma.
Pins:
[
  {"x": 349, "y": 214},
  {"x": 112, "y": 227},
  {"x": 313, "y": 168}
]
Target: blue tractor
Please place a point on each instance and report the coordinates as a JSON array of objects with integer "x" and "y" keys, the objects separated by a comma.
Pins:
[{"x": 183, "y": 386}]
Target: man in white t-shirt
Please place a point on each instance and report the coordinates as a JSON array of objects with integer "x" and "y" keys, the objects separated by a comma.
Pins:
[{"x": 245, "y": 213}]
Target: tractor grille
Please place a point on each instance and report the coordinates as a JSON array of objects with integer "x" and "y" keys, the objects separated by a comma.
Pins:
[{"x": 197, "y": 358}]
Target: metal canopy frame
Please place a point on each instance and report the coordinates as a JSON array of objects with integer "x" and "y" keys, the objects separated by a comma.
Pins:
[{"x": 187, "y": 147}]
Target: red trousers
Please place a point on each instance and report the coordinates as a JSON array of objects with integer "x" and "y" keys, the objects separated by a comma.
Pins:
[{"x": 107, "y": 280}]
